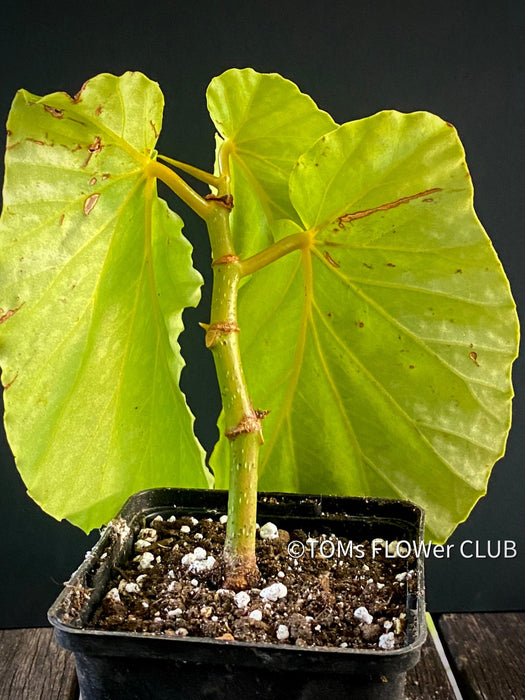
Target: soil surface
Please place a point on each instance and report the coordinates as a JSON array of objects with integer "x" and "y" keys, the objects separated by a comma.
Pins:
[{"x": 313, "y": 591}]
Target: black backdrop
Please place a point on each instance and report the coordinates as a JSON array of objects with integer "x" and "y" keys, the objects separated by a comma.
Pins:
[{"x": 461, "y": 60}]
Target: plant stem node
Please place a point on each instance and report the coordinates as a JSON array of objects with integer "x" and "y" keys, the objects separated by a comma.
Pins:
[
  {"x": 225, "y": 259},
  {"x": 226, "y": 200},
  {"x": 250, "y": 423},
  {"x": 215, "y": 330}
]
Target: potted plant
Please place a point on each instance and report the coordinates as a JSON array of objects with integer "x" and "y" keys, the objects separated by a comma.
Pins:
[{"x": 360, "y": 319}]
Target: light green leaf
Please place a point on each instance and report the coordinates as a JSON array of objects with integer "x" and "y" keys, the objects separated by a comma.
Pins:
[
  {"x": 268, "y": 124},
  {"x": 95, "y": 274},
  {"x": 389, "y": 344}
]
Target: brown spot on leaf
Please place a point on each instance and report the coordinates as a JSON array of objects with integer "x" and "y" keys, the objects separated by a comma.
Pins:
[
  {"x": 10, "y": 384},
  {"x": 78, "y": 97},
  {"x": 38, "y": 143},
  {"x": 54, "y": 111},
  {"x": 96, "y": 146},
  {"x": 474, "y": 357},
  {"x": 93, "y": 148},
  {"x": 61, "y": 221},
  {"x": 329, "y": 258},
  {"x": 93, "y": 181},
  {"x": 347, "y": 218},
  {"x": 105, "y": 176},
  {"x": 5, "y": 315},
  {"x": 410, "y": 366},
  {"x": 90, "y": 202},
  {"x": 154, "y": 129},
  {"x": 369, "y": 267},
  {"x": 459, "y": 271},
  {"x": 77, "y": 121},
  {"x": 98, "y": 111},
  {"x": 390, "y": 265},
  {"x": 9, "y": 147}
]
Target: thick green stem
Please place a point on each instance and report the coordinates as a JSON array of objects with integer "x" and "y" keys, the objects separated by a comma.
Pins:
[
  {"x": 243, "y": 423},
  {"x": 243, "y": 426}
]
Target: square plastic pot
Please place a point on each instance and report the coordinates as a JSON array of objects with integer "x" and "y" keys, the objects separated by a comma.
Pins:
[{"x": 133, "y": 666}]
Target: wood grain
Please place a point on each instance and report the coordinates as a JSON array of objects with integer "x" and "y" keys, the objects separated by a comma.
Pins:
[
  {"x": 487, "y": 653},
  {"x": 428, "y": 679},
  {"x": 34, "y": 667}
]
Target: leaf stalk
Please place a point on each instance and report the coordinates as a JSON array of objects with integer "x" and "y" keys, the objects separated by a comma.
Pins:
[
  {"x": 296, "y": 241},
  {"x": 199, "y": 204},
  {"x": 197, "y": 173}
]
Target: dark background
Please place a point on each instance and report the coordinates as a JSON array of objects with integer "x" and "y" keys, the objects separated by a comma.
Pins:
[{"x": 462, "y": 60}]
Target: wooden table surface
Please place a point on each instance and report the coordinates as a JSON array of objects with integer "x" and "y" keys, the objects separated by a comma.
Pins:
[{"x": 485, "y": 653}]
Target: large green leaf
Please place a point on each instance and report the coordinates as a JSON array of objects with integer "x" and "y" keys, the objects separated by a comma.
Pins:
[
  {"x": 384, "y": 351},
  {"x": 268, "y": 124},
  {"x": 95, "y": 274}
]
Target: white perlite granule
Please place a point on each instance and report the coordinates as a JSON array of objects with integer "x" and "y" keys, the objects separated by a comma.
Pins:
[
  {"x": 200, "y": 553},
  {"x": 145, "y": 561},
  {"x": 274, "y": 592},
  {"x": 269, "y": 531},
  {"x": 362, "y": 614},
  {"x": 113, "y": 595},
  {"x": 386, "y": 641},
  {"x": 241, "y": 599},
  {"x": 282, "y": 633},
  {"x": 148, "y": 533}
]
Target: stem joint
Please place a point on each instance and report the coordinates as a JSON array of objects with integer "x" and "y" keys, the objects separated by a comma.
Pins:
[
  {"x": 226, "y": 200},
  {"x": 250, "y": 423},
  {"x": 225, "y": 260},
  {"x": 215, "y": 331}
]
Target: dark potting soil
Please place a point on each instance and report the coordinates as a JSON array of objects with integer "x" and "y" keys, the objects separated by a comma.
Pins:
[{"x": 313, "y": 591}]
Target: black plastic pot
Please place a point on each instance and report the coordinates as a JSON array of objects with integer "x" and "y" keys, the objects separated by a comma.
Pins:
[{"x": 114, "y": 665}]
